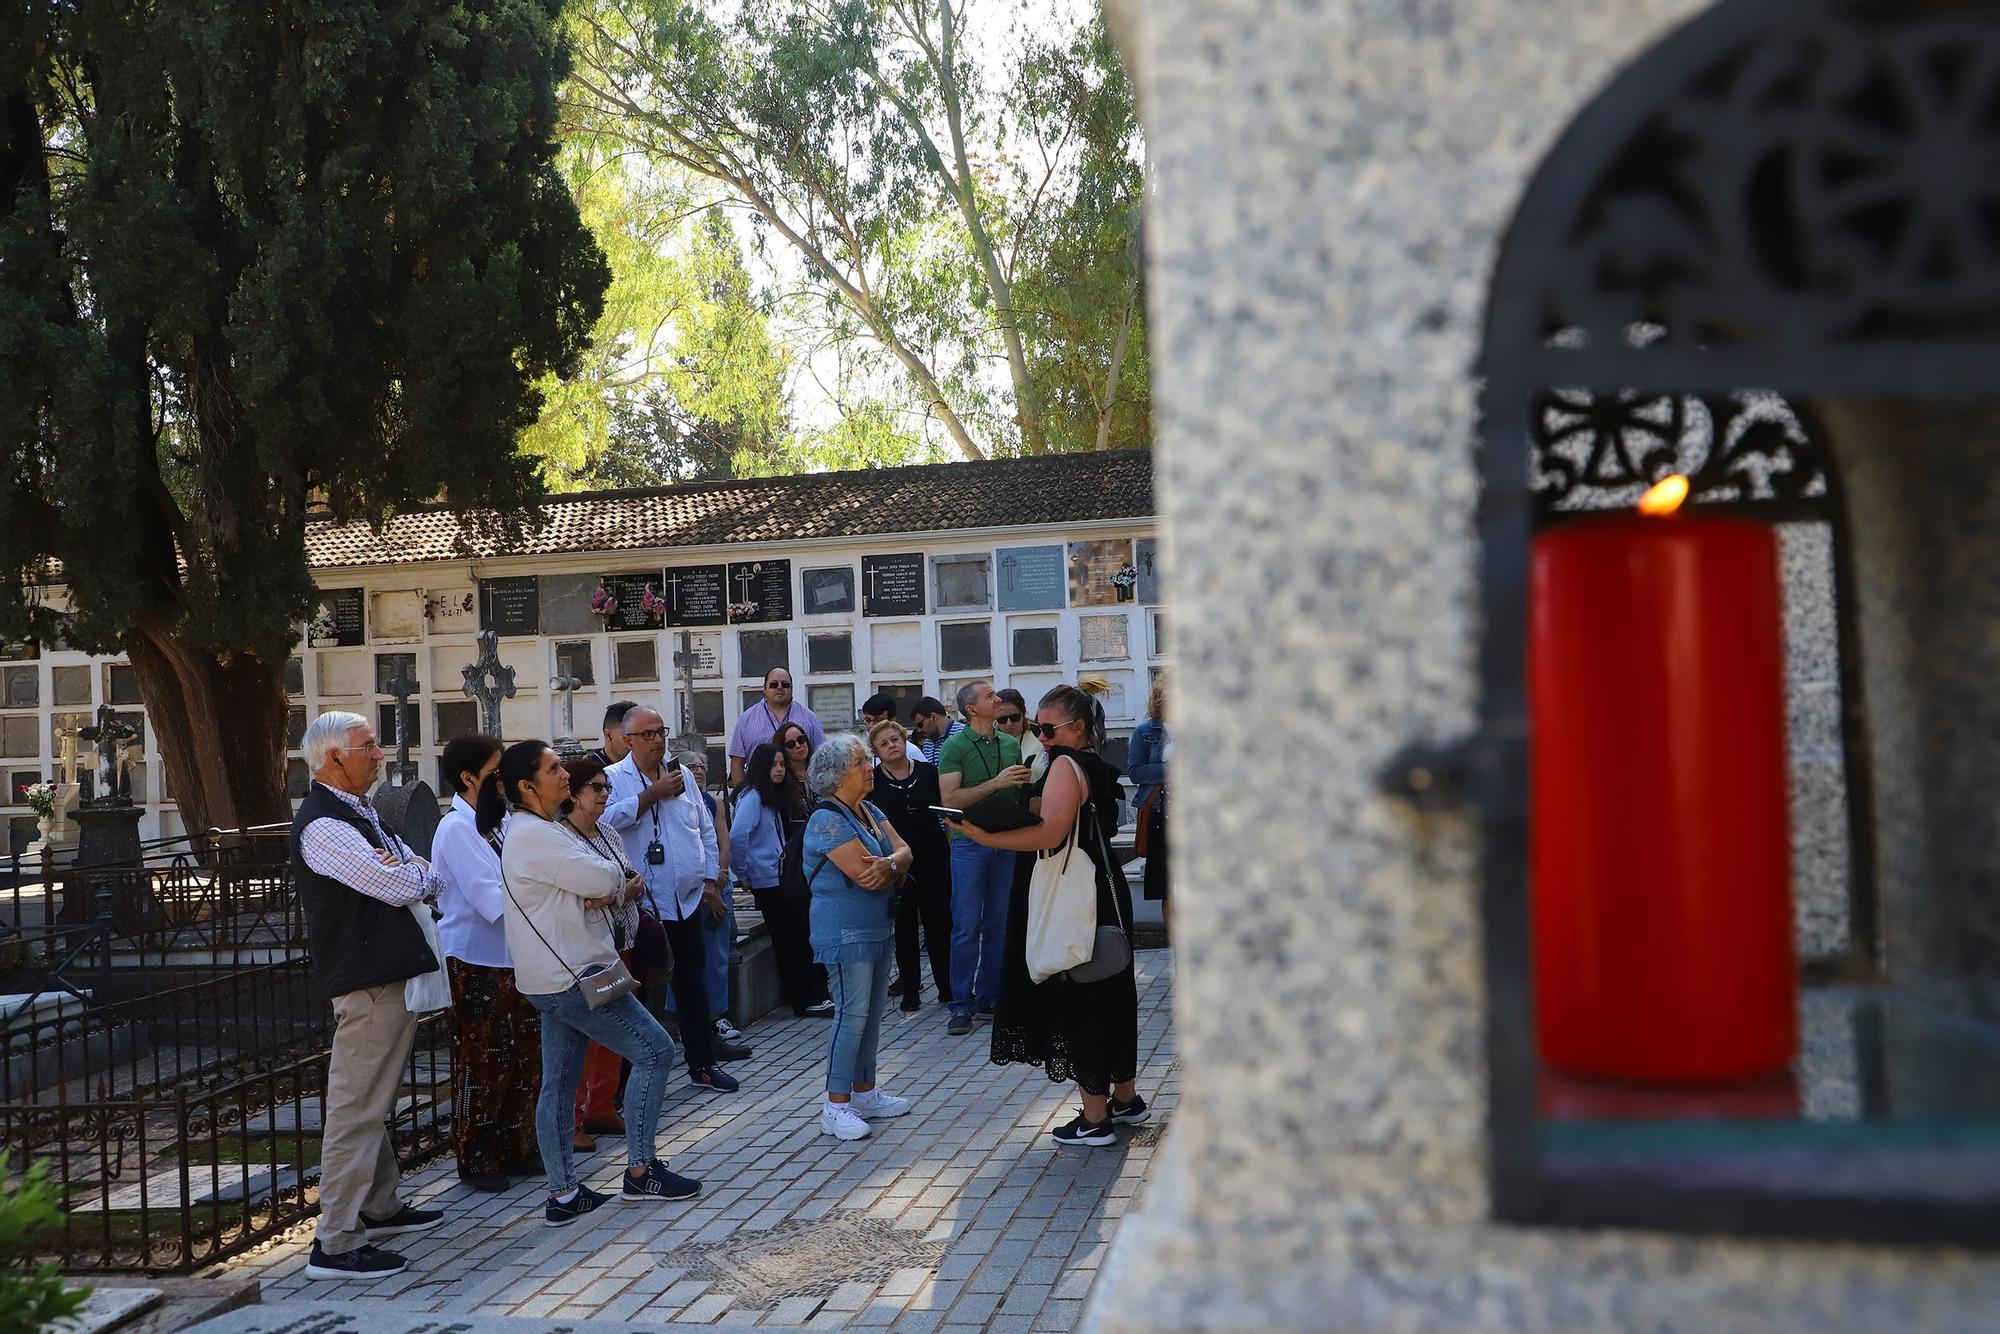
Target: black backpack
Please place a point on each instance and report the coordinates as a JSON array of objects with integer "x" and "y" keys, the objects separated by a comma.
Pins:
[{"x": 792, "y": 864}]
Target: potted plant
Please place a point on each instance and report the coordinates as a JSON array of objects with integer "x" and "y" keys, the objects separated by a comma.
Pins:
[{"x": 42, "y": 801}]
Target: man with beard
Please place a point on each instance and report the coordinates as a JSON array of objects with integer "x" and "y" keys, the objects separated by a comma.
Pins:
[{"x": 496, "y": 1036}]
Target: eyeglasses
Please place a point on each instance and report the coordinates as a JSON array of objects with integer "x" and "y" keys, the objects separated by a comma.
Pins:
[
  {"x": 777, "y": 685},
  {"x": 1047, "y": 731},
  {"x": 650, "y": 734},
  {"x": 797, "y": 743},
  {"x": 1008, "y": 719}
]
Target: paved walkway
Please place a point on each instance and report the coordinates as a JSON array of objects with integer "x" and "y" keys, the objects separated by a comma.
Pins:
[{"x": 962, "y": 1215}]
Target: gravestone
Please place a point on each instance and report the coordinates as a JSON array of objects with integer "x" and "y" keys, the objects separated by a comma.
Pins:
[
  {"x": 563, "y": 604},
  {"x": 962, "y": 583},
  {"x": 338, "y": 620},
  {"x": 760, "y": 591},
  {"x": 892, "y": 585},
  {"x": 488, "y": 682},
  {"x": 402, "y": 684},
  {"x": 696, "y": 594},
  {"x": 636, "y": 601},
  {"x": 1101, "y": 572},
  {"x": 511, "y": 607},
  {"x": 1032, "y": 578},
  {"x": 827, "y": 592}
]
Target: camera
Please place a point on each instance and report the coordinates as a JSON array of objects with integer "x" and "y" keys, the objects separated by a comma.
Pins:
[{"x": 656, "y": 854}]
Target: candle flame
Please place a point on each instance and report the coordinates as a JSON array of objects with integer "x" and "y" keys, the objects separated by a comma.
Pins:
[{"x": 1666, "y": 496}]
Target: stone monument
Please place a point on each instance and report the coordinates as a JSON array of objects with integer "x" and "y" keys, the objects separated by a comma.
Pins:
[
  {"x": 108, "y": 824},
  {"x": 565, "y": 687},
  {"x": 487, "y": 682},
  {"x": 1330, "y": 188},
  {"x": 405, "y": 802}
]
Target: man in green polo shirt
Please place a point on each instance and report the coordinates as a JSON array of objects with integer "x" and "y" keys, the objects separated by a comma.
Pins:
[{"x": 974, "y": 764}]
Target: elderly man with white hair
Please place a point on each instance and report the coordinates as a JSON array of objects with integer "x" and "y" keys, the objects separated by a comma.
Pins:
[{"x": 357, "y": 882}]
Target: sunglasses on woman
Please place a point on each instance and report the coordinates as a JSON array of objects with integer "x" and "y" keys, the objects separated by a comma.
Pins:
[
  {"x": 1047, "y": 731},
  {"x": 598, "y": 785},
  {"x": 797, "y": 743},
  {"x": 1008, "y": 719}
]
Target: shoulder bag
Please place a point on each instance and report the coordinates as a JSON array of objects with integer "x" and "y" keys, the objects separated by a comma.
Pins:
[
  {"x": 1062, "y": 909},
  {"x": 601, "y": 987},
  {"x": 1110, "y": 946},
  {"x": 652, "y": 954}
]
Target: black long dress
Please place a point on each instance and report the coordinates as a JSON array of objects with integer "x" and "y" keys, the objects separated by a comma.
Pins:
[
  {"x": 1082, "y": 1031},
  {"x": 925, "y": 902}
]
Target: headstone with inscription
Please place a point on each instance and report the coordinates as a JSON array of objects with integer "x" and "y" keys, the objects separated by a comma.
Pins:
[
  {"x": 892, "y": 585},
  {"x": 760, "y": 591},
  {"x": 338, "y": 620},
  {"x": 510, "y": 606},
  {"x": 1032, "y": 578},
  {"x": 636, "y": 601},
  {"x": 1100, "y": 573},
  {"x": 696, "y": 594}
]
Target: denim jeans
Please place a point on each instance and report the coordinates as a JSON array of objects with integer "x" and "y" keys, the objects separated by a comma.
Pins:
[
  {"x": 981, "y": 880},
  {"x": 860, "y": 995},
  {"x": 718, "y": 943},
  {"x": 569, "y": 1025}
]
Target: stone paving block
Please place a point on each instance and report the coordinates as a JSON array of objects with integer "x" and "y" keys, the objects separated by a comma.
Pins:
[
  {"x": 974, "y": 1307},
  {"x": 706, "y": 1309},
  {"x": 1025, "y": 1299},
  {"x": 850, "y": 1296}
]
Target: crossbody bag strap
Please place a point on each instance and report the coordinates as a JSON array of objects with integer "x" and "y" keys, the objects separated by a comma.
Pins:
[{"x": 508, "y": 886}]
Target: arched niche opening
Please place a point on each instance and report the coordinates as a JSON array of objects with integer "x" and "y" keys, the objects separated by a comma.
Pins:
[{"x": 1767, "y": 258}]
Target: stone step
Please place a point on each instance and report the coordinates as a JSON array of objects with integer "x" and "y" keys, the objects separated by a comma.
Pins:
[{"x": 342, "y": 1318}]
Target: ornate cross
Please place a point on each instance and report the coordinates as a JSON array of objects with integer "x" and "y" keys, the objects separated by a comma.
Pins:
[
  {"x": 566, "y": 687},
  {"x": 402, "y": 687},
  {"x": 489, "y": 682},
  {"x": 114, "y": 779}
]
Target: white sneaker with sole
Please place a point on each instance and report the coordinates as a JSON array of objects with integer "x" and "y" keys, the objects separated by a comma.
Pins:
[
  {"x": 875, "y": 1105},
  {"x": 838, "y": 1119}
]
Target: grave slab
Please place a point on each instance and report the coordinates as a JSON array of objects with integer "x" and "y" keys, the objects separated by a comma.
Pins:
[
  {"x": 163, "y": 1188},
  {"x": 329, "y": 1318},
  {"x": 109, "y": 1308}
]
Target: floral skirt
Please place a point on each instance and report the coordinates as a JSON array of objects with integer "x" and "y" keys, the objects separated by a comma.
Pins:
[{"x": 496, "y": 1071}]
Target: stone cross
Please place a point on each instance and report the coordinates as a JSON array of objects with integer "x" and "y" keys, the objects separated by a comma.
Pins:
[
  {"x": 488, "y": 682},
  {"x": 109, "y": 737},
  {"x": 66, "y": 755},
  {"x": 565, "y": 686},
  {"x": 401, "y": 686}
]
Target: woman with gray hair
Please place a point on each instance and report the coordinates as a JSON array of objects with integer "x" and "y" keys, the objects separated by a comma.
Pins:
[{"x": 853, "y": 858}]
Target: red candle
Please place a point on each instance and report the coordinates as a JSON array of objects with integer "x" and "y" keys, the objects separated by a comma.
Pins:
[{"x": 1660, "y": 850}]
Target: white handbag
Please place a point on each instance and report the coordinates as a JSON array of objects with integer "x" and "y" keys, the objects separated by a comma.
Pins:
[
  {"x": 428, "y": 991},
  {"x": 1062, "y": 910}
]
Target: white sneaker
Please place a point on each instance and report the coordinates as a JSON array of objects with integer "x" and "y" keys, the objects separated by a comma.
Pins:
[
  {"x": 727, "y": 1031},
  {"x": 838, "y": 1119},
  {"x": 876, "y": 1105}
]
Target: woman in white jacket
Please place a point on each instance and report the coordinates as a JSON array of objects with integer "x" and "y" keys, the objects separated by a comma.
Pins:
[{"x": 552, "y": 880}]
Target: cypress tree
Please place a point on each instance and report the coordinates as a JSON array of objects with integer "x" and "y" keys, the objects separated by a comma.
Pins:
[{"x": 256, "y": 254}]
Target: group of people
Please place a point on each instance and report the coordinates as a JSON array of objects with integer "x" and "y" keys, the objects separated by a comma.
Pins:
[{"x": 583, "y": 924}]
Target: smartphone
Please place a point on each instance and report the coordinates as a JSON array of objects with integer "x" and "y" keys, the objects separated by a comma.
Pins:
[{"x": 951, "y": 811}]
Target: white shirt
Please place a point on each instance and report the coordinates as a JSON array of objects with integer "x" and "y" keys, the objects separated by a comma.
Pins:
[
  {"x": 553, "y": 881},
  {"x": 470, "y": 896},
  {"x": 682, "y": 825}
]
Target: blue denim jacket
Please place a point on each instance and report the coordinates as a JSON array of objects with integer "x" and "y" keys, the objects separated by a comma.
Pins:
[{"x": 849, "y": 924}]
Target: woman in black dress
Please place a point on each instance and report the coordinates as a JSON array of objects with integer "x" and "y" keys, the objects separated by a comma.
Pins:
[
  {"x": 1086, "y": 1031},
  {"x": 905, "y": 790}
]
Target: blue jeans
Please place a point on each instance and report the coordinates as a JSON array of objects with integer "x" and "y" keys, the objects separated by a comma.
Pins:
[
  {"x": 569, "y": 1026},
  {"x": 718, "y": 945},
  {"x": 981, "y": 879},
  {"x": 860, "y": 995}
]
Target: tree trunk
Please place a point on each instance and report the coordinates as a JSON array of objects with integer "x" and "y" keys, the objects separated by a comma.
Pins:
[{"x": 220, "y": 728}]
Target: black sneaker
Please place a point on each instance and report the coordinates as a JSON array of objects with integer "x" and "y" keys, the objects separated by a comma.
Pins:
[
  {"x": 1085, "y": 1132},
  {"x": 715, "y": 1079},
  {"x": 960, "y": 1025},
  {"x": 561, "y": 1213},
  {"x": 913, "y": 1002},
  {"x": 407, "y": 1219},
  {"x": 491, "y": 1182},
  {"x": 985, "y": 1012},
  {"x": 1128, "y": 1113},
  {"x": 659, "y": 1184},
  {"x": 363, "y": 1261},
  {"x": 729, "y": 1051}
]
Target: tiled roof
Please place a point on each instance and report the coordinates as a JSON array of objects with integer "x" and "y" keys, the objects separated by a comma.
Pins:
[{"x": 937, "y": 497}]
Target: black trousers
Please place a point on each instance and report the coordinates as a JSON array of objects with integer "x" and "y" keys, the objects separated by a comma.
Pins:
[
  {"x": 787, "y": 916},
  {"x": 924, "y": 904},
  {"x": 690, "y": 996}
]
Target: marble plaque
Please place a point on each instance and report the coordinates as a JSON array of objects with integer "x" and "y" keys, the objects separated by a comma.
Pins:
[
  {"x": 1104, "y": 638},
  {"x": 1101, "y": 573},
  {"x": 834, "y": 704},
  {"x": 892, "y": 585},
  {"x": 962, "y": 581},
  {"x": 641, "y": 604},
  {"x": 758, "y": 651},
  {"x": 23, "y": 687},
  {"x": 697, "y": 594},
  {"x": 565, "y": 604},
  {"x": 760, "y": 590},
  {"x": 338, "y": 619},
  {"x": 453, "y": 610},
  {"x": 706, "y": 650},
  {"x": 512, "y": 606},
  {"x": 396, "y": 616},
  {"x": 1147, "y": 558},
  {"x": 522, "y": 717},
  {"x": 635, "y": 660},
  {"x": 1032, "y": 578},
  {"x": 1035, "y": 646},
  {"x": 965, "y": 646},
  {"x": 21, "y": 736},
  {"x": 827, "y": 592},
  {"x": 826, "y": 654},
  {"x": 896, "y": 648},
  {"x": 72, "y": 684}
]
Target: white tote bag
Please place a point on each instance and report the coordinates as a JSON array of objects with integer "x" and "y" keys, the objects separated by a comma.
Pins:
[
  {"x": 1062, "y": 910},
  {"x": 428, "y": 991}
]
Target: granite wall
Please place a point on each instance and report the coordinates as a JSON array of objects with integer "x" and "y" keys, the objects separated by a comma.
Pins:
[{"x": 1332, "y": 180}]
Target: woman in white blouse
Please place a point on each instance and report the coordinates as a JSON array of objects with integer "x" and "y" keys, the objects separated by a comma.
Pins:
[{"x": 554, "y": 882}]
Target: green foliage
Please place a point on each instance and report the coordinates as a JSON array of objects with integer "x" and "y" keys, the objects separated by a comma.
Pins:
[
  {"x": 937, "y": 195},
  {"x": 250, "y": 252},
  {"x": 30, "y": 1299}
]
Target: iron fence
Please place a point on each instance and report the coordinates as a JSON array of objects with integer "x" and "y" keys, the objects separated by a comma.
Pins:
[{"x": 170, "y": 1176}]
